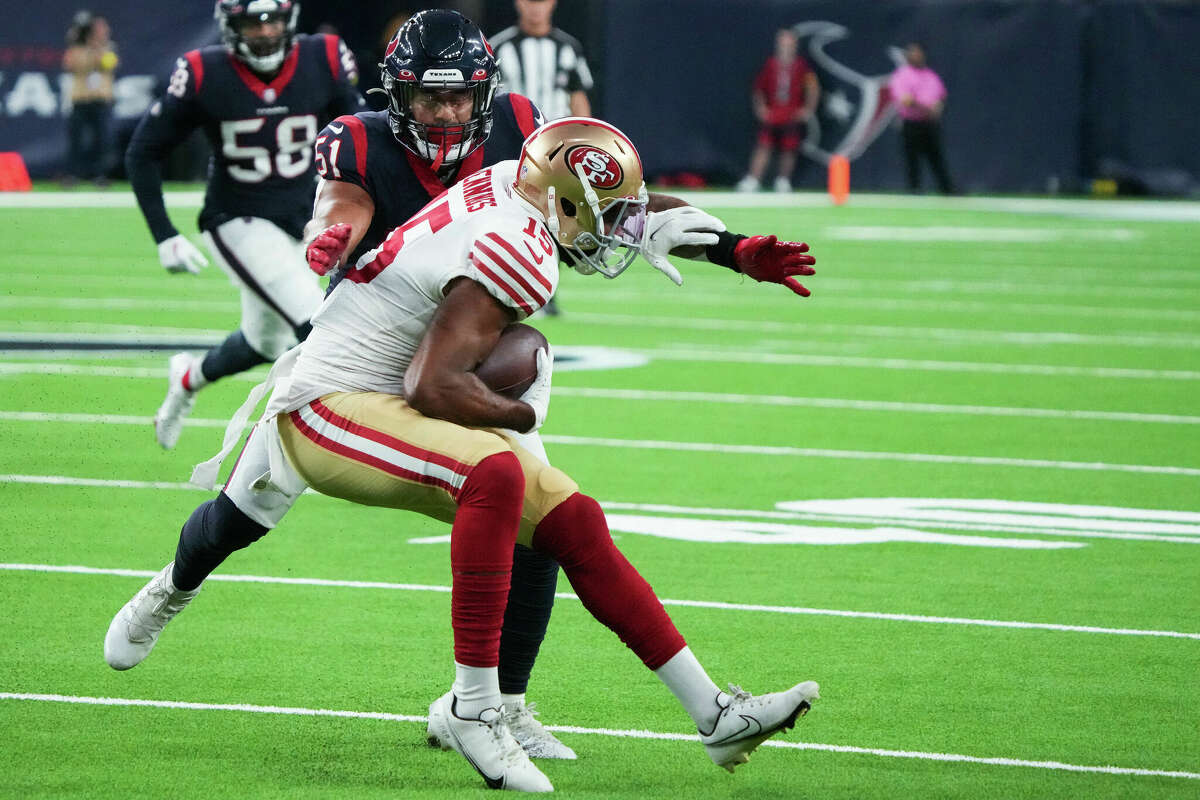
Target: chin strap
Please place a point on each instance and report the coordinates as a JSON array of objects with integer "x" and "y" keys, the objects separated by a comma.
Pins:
[{"x": 551, "y": 213}]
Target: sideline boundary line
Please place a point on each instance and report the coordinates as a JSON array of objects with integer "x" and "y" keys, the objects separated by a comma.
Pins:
[
  {"x": 712, "y": 604},
  {"x": 627, "y": 734}
]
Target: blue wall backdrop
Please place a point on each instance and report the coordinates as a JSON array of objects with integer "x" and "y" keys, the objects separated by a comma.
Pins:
[{"x": 1042, "y": 94}]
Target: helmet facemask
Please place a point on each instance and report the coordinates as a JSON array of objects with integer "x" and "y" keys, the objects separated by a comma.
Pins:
[
  {"x": 439, "y": 51},
  {"x": 440, "y": 144},
  {"x": 264, "y": 55},
  {"x": 585, "y": 176}
]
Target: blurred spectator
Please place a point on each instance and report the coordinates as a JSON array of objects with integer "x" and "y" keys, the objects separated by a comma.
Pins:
[
  {"x": 785, "y": 96},
  {"x": 544, "y": 63},
  {"x": 91, "y": 60},
  {"x": 920, "y": 96}
]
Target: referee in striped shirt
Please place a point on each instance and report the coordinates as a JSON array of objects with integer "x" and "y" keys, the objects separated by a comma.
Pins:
[
  {"x": 546, "y": 65},
  {"x": 543, "y": 63}
]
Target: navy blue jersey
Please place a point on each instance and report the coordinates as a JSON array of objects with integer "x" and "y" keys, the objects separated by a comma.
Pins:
[
  {"x": 362, "y": 150},
  {"x": 261, "y": 134}
]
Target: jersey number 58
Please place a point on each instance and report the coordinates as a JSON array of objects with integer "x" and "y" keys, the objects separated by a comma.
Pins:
[{"x": 292, "y": 153}]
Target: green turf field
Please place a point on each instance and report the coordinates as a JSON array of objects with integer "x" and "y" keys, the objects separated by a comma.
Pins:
[{"x": 959, "y": 486}]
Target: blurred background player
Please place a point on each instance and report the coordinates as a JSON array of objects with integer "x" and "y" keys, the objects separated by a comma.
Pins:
[
  {"x": 91, "y": 60},
  {"x": 785, "y": 96},
  {"x": 545, "y": 64},
  {"x": 260, "y": 99},
  {"x": 381, "y": 406},
  {"x": 920, "y": 97}
]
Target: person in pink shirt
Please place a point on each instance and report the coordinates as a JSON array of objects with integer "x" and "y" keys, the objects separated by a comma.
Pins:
[
  {"x": 785, "y": 96},
  {"x": 920, "y": 95}
]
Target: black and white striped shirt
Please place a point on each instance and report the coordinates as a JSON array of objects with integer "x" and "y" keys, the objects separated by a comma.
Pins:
[{"x": 546, "y": 69}]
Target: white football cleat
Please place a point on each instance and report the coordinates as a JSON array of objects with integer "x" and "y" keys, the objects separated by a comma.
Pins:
[
  {"x": 135, "y": 629},
  {"x": 748, "y": 721},
  {"x": 487, "y": 745},
  {"x": 533, "y": 736},
  {"x": 783, "y": 185},
  {"x": 535, "y": 740},
  {"x": 168, "y": 421}
]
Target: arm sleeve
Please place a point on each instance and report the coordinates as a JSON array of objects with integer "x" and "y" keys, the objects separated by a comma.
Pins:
[
  {"x": 168, "y": 122},
  {"x": 341, "y": 153},
  {"x": 518, "y": 270}
]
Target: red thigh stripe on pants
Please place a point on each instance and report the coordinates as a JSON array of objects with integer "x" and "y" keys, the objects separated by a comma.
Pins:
[{"x": 377, "y": 449}]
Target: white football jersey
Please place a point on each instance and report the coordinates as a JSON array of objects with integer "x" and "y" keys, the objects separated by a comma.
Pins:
[{"x": 367, "y": 330}]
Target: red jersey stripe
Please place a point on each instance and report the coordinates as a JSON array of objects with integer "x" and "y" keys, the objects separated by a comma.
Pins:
[
  {"x": 512, "y": 271},
  {"x": 523, "y": 111},
  {"x": 255, "y": 84},
  {"x": 358, "y": 133},
  {"x": 331, "y": 54},
  {"x": 521, "y": 259},
  {"x": 363, "y": 458},
  {"x": 500, "y": 284},
  {"x": 387, "y": 440},
  {"x": 197, "y": 65}
]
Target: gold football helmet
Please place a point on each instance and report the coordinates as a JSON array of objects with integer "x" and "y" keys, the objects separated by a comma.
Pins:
[{"x": 586, "y": 177}]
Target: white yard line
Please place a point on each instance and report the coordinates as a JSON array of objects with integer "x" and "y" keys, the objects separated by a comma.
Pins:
[
  {"x": 670, "y": 397},
  {"x": 892, "y": 332},
  {"x": 711, "y": 604},
  {"x": 866, "y": 455},
  {"x": 250, "y": 708},
  {"x": 913, "y": 364},
  {"x": 1107, "y": 209},
  {"x": 713, "y": 355},
  {"x": 68, "y": 332}
]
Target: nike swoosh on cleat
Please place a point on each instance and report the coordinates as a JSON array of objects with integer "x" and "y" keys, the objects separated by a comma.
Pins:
[
  {"x": 336, "y": 128},
  {"x": 745, "y": 732}
]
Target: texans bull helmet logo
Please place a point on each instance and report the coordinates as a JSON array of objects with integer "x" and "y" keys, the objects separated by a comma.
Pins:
[{"x": 855, "y": 107}]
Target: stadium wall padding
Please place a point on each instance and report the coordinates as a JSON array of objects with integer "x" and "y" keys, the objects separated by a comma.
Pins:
[{"x": 1042, "y": 94}]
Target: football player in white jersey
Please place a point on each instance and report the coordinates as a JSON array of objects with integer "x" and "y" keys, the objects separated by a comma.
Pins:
[{"x": 380, "y": 406}]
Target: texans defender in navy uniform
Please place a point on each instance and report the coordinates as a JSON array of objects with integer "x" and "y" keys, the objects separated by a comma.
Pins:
[{"x": 260, "y": 99}]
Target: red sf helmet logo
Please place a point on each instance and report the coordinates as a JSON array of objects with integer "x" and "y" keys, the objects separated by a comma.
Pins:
[{"x": 600, "y": 168}]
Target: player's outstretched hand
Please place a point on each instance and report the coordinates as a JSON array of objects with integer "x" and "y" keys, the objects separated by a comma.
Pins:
[
  {"x": 537, "y": 396},
  {"x": 765, "y": 258},
  {"x": 325, "y": 251},
  {"x": 677, "y": 227},
  {"x": 177, "y": 254}
]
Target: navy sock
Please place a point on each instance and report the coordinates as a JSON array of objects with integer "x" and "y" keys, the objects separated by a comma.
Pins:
[
  {"x": 530, "y": 600},
  {"x": 213, "y": 531},
  {"x": 230, "y": 357}
]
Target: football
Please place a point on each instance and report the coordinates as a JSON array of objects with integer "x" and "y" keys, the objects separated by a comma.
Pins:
[{"x": 512, "y": 365}]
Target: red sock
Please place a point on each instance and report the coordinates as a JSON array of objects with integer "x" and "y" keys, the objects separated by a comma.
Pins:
[
  {"x": 481, "y": 548},
  {"x": 576, "y": 535}
]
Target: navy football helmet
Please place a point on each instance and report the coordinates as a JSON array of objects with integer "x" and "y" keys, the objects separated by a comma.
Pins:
[
  {"x": 262, "y": 54},
  {"x": 439, "y": 51}
]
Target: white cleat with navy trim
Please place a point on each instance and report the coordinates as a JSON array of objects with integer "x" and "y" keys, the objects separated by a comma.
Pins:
[
  {"x": 532, "y": 735},
  {"x": 747, "y": 721},
  {"x": 522, "y": 724},
  {"x": 168, "y": 421},
  {"x": 487, "y": 745},
  {"x": 134, "y": 630}
]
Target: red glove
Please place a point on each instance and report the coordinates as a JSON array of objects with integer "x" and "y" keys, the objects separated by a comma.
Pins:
[
  {"x": 325, "y": 251},
  {"x": 765, "y": 258}
]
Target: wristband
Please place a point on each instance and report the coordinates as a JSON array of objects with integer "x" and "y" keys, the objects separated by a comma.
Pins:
[{"x": 721, "y": 253}]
